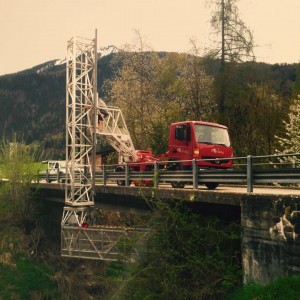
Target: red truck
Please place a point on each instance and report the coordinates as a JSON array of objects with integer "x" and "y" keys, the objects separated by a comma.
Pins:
[
  {"x": 208, "y": 143},
  {"x": 202, "y": 141}
]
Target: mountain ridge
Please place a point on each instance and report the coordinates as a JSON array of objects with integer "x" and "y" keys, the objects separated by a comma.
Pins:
[{"x": 33, "y": 100}]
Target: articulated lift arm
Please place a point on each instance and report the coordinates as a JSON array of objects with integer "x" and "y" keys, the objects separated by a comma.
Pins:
[{"x": 111, "y": 125}]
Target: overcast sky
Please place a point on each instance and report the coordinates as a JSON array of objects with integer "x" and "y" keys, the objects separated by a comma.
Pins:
[{"x": 35, "y": 31}]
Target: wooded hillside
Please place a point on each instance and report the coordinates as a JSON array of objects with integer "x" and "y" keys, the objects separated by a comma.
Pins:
[{"x": 153, "y": 90}]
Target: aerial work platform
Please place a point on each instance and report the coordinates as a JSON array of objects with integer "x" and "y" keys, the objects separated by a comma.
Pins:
[{"x": 87, "y": 118}]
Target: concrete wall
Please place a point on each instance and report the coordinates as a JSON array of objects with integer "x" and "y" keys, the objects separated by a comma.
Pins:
[{"x": 270, "y": 237}]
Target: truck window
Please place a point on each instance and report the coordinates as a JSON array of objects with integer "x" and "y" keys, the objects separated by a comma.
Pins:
[
  {"x": 212, "y": 135},
  {"x": 183, "y": 132}
]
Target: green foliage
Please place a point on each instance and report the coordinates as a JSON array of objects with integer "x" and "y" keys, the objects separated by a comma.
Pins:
[
  {"x": 296, "y": 89},
  {"x": 287, "y": 288},
  {"x": 190, "y": 256},
  {"x": 25, "y": 280},
  {"x": 33, "y": 107},
  {"x": 256, "y": 120},
  {"x": 18, "y": 165}
]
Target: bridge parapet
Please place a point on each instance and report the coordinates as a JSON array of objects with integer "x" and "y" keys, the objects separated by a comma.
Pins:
[{"x": 250, "y": 171}]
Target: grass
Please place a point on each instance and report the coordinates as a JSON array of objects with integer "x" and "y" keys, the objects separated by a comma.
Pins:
[
  {"x": 287, "y": 288},
  {"x": 24, "y": 280}
]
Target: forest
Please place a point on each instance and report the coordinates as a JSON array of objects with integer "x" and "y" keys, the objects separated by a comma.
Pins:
[{"x": 153, "y": 90}]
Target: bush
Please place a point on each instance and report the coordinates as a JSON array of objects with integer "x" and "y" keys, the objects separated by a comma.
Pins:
[
  {"x": 282, "y": 289},
  {"x": 25, "y": 279},
  {"x": 190, "y": 256}
]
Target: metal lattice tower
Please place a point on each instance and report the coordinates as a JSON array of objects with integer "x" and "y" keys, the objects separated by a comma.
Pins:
[
  {"x": 81, "y": 92},
  {"x": 79, "y": 237},
  {"x": 80, "y": 121}
]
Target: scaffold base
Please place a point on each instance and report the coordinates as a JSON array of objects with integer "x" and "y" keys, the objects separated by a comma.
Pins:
[{"x": 107, "y": 243}]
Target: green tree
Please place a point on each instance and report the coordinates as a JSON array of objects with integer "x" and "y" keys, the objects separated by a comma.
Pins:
[
  {"x": 296, "y": 90},
  {"x": 18, "y": 165},
  {"x": 254, "y": 120}
]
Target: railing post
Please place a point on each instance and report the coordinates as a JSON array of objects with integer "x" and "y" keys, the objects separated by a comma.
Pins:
[
  {"x": 126, "y": 174},
  {"x": 38, "y": 177},
  {"x": 104, "y": 174},
  {"x": 195, "y": 174},
  {"x": 156, "y": 175},
  {"x": 57, "y": 175},
  {"x": 47, "y": 176},
  {"x": 249, "y": 174}
]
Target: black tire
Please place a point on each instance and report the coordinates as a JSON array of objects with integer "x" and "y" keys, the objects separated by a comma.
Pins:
[
  {"x": 177, "y": 184},
  {"x": 212, "y": 185},
  {"x": 120, "y": 182}
]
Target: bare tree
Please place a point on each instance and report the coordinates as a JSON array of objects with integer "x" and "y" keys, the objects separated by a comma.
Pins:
[
  {"x": 134, "y": 90},
  {"x": 197, "y": 84},
  {"x": 235, "y": 43}
]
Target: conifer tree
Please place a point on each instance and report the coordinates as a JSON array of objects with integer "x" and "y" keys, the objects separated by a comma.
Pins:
[{"x": 235, "y": 41}]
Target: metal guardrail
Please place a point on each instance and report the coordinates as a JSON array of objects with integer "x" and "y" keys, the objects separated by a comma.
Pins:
[{"x": 248, "y": 170}]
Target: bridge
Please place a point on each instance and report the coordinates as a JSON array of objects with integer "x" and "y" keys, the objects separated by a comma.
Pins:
[
  {"x": 269, "y": 213},
  {"x": 270, "y": 221}
]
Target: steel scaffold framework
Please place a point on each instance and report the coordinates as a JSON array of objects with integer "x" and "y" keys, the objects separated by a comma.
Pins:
[
  {"x": 113, "y": 127},
  {"x": 81, "y": 92},
  {"x": 81, "y": 87},
  {"x": 79, "y": 239}
]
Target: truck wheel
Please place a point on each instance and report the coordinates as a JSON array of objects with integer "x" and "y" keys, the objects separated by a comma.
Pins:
[
  {"x": 120, "y": 182},
  {"x": 177, "y": 185},
  {"x": 212, "y": 185}
]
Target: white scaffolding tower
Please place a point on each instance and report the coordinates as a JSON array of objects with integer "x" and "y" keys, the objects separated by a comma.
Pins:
[
  {"x": 81, "y": 92},
  {"x": 86, "y": 118}
]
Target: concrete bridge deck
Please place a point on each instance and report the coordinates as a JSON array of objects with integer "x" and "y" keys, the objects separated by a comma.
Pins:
[{"x": 226, "y": 195}]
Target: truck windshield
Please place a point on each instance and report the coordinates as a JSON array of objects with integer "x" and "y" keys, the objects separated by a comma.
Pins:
[{"x": 212, "y": 135}]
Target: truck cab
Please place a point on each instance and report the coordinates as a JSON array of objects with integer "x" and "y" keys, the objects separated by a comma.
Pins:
[
  {"x": 204, "y": 141},
  {"x": 54, "y": 167}
]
